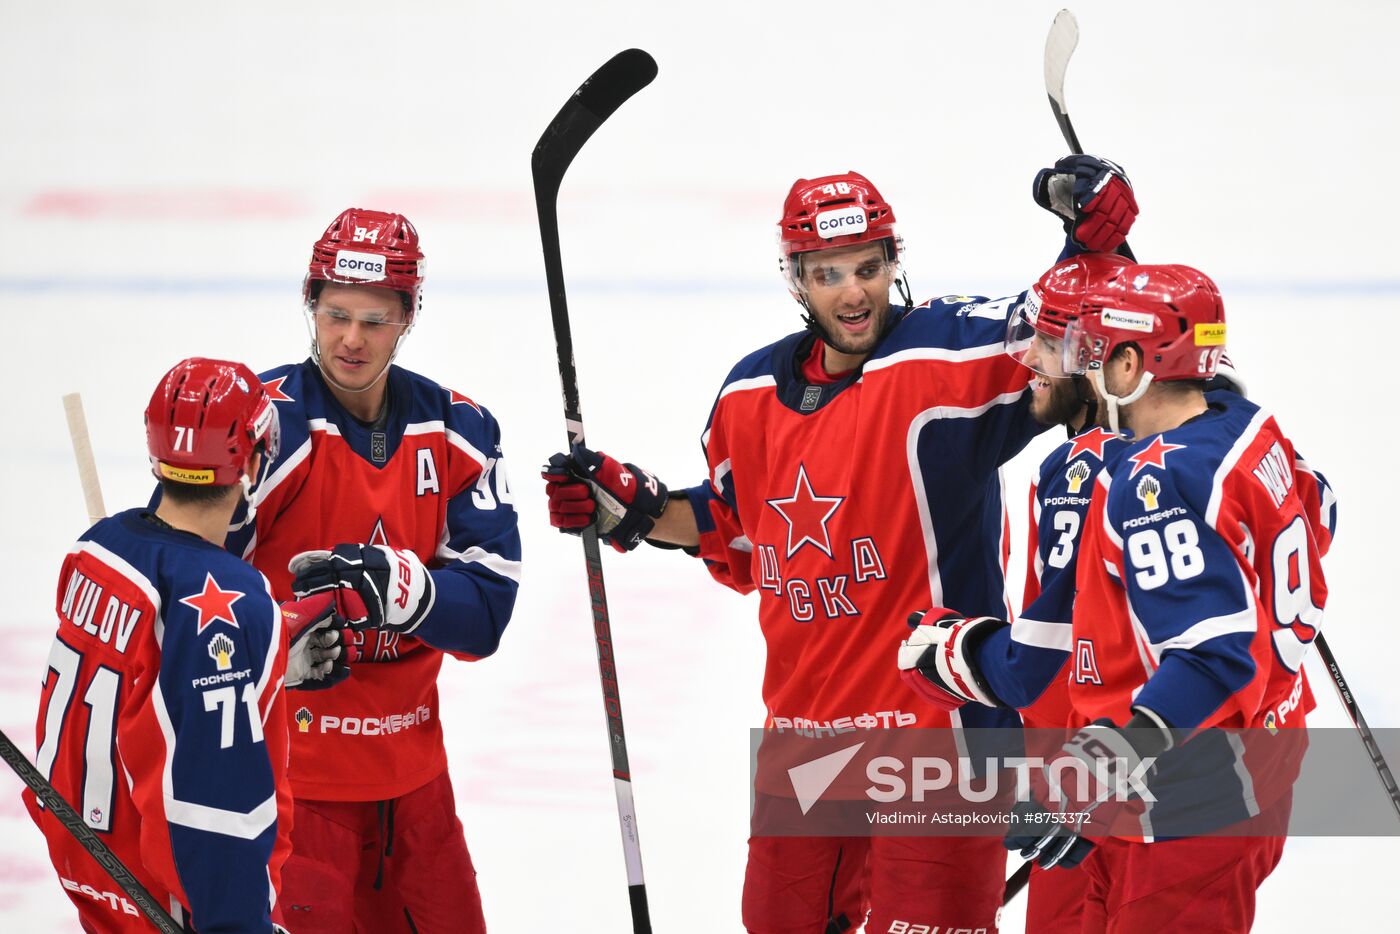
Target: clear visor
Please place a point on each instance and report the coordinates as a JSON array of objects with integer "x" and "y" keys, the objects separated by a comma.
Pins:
[
  {"x": 1082, "y": 351},
  {"x": 267, "y": 428},
  {"x": 1033, "y": 348},
  {"x": 329, "y": 318},
  {"x": 817, "y": 274}
]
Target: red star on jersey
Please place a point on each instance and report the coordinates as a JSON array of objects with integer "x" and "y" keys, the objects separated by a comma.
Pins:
[
  {"x": 274, "y": 390},
  {"x": 1154, "y": 455},
  {"x": 213, "y": 604},
  {"x": 806, "y": 515},
  {"x": 1090, "y": 442},
  {"x": 459, "y": 399}
]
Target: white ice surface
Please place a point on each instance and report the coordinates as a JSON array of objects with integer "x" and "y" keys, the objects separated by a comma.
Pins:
[{"x": 166, "y": 167}]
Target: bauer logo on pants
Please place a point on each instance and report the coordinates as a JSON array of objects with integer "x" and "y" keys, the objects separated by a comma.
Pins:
[
  {"x": 842, "y": 221},
  {"x": 354, "y": 265}
]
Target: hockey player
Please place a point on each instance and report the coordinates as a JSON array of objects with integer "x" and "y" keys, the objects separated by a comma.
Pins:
[
  {"x": 390, "y": 492},
  {"x": 1200, "y": 591},
  {"x": 852, "y": 474},
  {"x": 161, "y": 714}
]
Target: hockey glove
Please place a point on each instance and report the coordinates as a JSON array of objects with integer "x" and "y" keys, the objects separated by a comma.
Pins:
[
  {"x": 1098, "y": 771},
  {"x": 937, "y": 658},
  {"x": 374, "y": 586},
  {"x": 318, "y": 655},
  {"x": 621, "y": 501},
  {"x": 1093, "y": 196}
]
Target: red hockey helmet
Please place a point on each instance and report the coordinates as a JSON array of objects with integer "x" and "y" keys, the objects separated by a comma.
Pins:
[
  {"x": 1174, "y": 313},
  {"x": 1053, "y": 302},
  {"x": 833, "y": 211},
  {"x": 363, "y": 247},
  {"x": 204, "y": 421}
]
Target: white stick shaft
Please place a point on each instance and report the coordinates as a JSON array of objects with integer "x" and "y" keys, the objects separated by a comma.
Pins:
[{"x": 82, "y": 453}]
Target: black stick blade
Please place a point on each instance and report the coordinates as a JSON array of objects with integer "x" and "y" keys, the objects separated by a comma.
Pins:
[
  {"x": 606, "y": 89},
  {"x": 621, "y": 76}
]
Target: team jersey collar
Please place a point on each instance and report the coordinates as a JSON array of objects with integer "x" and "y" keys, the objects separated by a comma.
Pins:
[
  {"x": 375, "y": 442},
  {"x": 794, "y": 354}
]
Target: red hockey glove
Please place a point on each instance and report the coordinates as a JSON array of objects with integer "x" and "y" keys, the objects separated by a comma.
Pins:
[
  {"x": 937, "y": 658},
  {"x": 1100, "y": 770},
  {"x": 318, "y": 654},
  {"x": 374, "y": 586},
  {"x": 1093, "y": 196},
  {"x": 622, "y": 501}
]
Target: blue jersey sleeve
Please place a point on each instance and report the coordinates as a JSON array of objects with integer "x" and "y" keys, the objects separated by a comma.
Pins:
[
  {"x": 1188, "y": 594},
  {"x": 477, "y": 571},
  {"x": 1022, "y": 661},
  {"x": 221, "y": 801}
]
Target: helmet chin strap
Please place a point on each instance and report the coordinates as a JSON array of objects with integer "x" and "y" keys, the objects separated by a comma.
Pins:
[
  {"x": 1115, "y": 401},
  {"x": 1086, "y": 398},
  {"x": 246, "y": 483}
]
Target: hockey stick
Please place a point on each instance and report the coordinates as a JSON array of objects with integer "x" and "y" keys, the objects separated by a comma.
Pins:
[
  {"x": 1060, "y": 43},
  {"x": 1059, "y": 46},
  {"x": 1017, "y": 882},
  {"x": 82, "y": 453},
  {"x": 86, "y": 836},
  {"x": 595, "y": 100},
  {"x": 1367, "y": 738}
]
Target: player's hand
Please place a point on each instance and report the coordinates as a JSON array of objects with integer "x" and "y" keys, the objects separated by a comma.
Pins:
[
  {"x": 937, "y": 658},
  {"x": 1096, "y": 774},
  {"x": 621, "y": 501},
  {"x": 374, "y": 586},
  {"x": 1093, "y": 196},
  {"x": 318, "y": 655},
  {"x": 1038, "y": 833}
]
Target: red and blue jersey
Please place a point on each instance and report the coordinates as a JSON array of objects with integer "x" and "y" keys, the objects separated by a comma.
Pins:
[
  {"x": 1024, "y": 664},
  {"x": 848, "y": 505},
  {"x": 430, "y": 479},
  {"x": 161, "y": 721},
  {"x": 1200, "y": 593}
]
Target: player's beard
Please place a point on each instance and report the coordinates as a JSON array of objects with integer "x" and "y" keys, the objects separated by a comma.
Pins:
[
  {"x": 1058, "y": 404},
  {"x": 853, "y": 344}
]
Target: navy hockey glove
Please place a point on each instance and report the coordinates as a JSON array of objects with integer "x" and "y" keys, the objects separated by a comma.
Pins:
[
  {"x": 1093, "y": 196},
  {"x": 937, "y": 658},
  {"x": 317, "y": 653},
  {"x": 374, "y": 586},
  {"x": 621, "y": 501},
  {"x": 1098, "y": 771}
]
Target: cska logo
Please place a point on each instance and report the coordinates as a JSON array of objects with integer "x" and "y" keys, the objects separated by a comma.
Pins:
[
  {"x": 221, "y": 651},
  {"x": 1147, "y": 489},
  {"x": 303, "y": 717},
  {"x": 1078, "y": 472}
]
